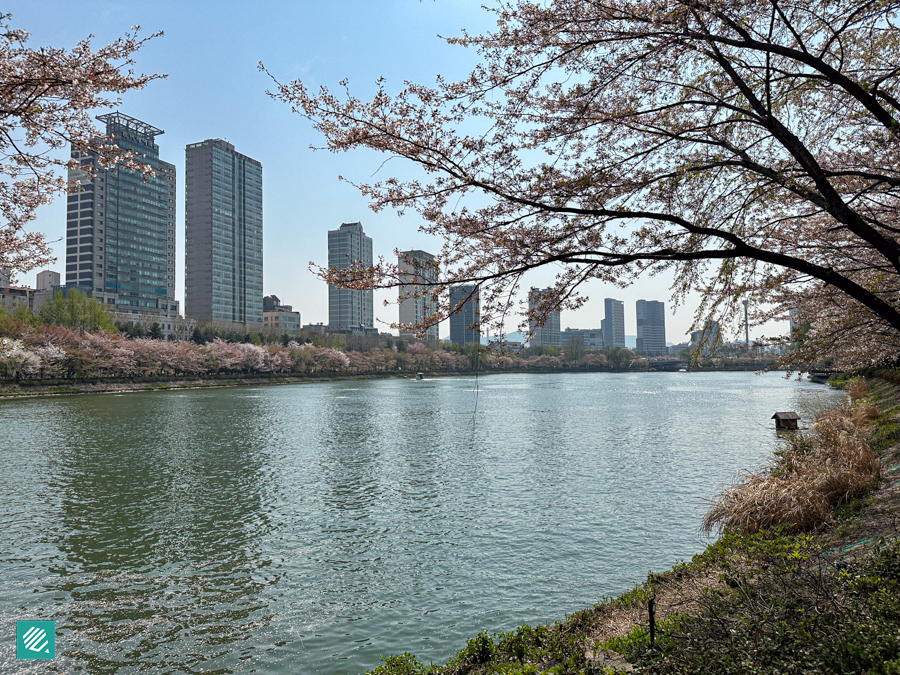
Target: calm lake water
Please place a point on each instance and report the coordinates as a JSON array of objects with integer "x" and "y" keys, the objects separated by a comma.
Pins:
[{"x": 314, "y": 528}]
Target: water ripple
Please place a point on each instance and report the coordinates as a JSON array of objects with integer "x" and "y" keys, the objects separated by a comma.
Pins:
[{"x": 314, "y": 528}]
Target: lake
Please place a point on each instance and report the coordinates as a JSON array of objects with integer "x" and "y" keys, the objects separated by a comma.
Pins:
[{"x": 313, "y": 528}]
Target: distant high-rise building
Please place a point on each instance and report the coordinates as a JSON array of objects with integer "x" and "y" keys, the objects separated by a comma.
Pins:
[
  {"x": 651, "y": 327},
  {"x": 613, "y": 323},
  {"x": 548, "y": 334},
  {"x": 708, "y": 340},
  {"x": 349, "y": 308},
  {"x": 47, "y": 280},
  {"x": 417, "y": 264},
  {"x": 592, "y": 338},
  {"x": 223, "y": 230},
  {"x": 467, "y": 305},
  {"x": 120, "y": 227}
]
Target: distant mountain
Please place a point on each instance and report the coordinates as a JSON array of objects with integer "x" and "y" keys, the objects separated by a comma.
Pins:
[{"x": 515, "y": 336}]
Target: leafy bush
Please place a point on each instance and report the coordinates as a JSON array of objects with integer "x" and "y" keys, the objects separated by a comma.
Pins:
[{"x": 784, "y": 608}]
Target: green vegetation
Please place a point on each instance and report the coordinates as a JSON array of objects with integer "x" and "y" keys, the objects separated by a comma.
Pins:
[
  {"x": 76, "y": 309},
  {"x": 784, "y": 608}
]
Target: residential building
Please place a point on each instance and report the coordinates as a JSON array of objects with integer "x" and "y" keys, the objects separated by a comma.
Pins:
[
  {"x": 548, "y": 334},
  {"x": 708, "y": 340},
  {"x": 319, "y": 328},
  {"x": 349, "y": 308},
  {"x": 675, "y": 350},
  {"x": 613, "y": 323},
  {"x": 223, "y": 232},
  {"x": 282, "y": 320},
  {"x": 12, "y": 297},
  {"x": 466, "y": 314},
  {"x": 793, "y": 322},
  {"x": 120, "y": 226},
  {"x": 47, "y": 279},
  {"x": 591, "y": 337},
  {"x": 419, "y": 272},
  {"x": 651, "y": 327},
  {"x": 278, "y": 317}
]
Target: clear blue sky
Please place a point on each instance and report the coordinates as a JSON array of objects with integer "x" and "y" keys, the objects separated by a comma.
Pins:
[{"x": 214, "y": 90}]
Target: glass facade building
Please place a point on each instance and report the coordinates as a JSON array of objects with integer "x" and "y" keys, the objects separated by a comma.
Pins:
[
  {"x": 651, "y": 327},
  {"x": 349, "y": 308},
  {"x": 466, "y": 314},
  {"x": 613, "y": 323},
  {"x": 419, "y": 266},
  {"x": 120, "y": 226},
  {"x": 547, "y": 335},
  {"x": 223, "y": 234}
]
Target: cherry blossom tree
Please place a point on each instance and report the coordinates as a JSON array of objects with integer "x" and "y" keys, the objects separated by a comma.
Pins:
[
  {"x": 46, "y": 96},
  {"x": 748, "y": 148}
]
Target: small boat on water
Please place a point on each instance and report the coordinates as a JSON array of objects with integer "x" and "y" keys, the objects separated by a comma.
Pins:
[{"x": 420, "y": 376}]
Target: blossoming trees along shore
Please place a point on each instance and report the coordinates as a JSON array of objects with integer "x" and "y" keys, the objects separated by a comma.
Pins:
[
  {"x": 52, "y": 352},
  {"x": 46, "y": 96},
  {"x": 751, "y": 148}
]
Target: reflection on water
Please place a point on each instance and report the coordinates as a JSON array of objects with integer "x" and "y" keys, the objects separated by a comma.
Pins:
[{"x": 314, "y": 528}]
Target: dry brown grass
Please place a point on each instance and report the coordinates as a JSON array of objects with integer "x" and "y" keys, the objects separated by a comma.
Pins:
[
  {"x": 680, "y": 593},
  {"x": 812, "y": 475},
  {"x": 857, "y": 388}
]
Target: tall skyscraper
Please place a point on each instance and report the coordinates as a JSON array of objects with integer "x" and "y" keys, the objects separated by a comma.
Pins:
[
  {"x": 348, "y": 308},
  {"x": 120, "y": 227},
  {"x": 223, "y": 228},
  {"x": 613, "y": 323},
  {"x": 464, "y": 298},
  {"x": 651, "y": 327},
  {"x": 548, "y": 334},
  {"x": 417, "y": 264}
]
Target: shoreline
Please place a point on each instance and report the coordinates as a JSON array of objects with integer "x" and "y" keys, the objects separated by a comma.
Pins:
[
  {"x": 12, "y": 390},
  {"x": 775, "y": 601}
]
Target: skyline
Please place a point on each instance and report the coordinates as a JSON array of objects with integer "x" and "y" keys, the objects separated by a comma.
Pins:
[{"x": 214, "y": 90}]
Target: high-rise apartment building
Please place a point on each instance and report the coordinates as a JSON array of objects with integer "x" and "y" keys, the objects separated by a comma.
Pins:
[
  {"x": 708, "y": 340},
  {"x": 223, "y": 228},
  {"x": 417, "y": 266},
  {"x": 613, "y": 323},
  {"x": 548, "y": 334},
  {"x": 466, "y": 304},
  {"x": 651, "y": 327},
  {"x": 120, "y": 226},
  {"x": 349, "y": 308}
]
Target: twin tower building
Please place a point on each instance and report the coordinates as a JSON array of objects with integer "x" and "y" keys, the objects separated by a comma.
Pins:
[{"x": 120, "y": 230}]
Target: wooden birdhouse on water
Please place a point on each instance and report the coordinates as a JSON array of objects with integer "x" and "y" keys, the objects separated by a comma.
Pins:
[{"x": 786, "y": 421}]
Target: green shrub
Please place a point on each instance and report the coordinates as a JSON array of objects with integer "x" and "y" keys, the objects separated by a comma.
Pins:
[{"x": 784, "y": 609}]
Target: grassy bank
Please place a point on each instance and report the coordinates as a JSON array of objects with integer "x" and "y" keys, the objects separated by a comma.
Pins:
[{"x": 805, "y": 579}]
